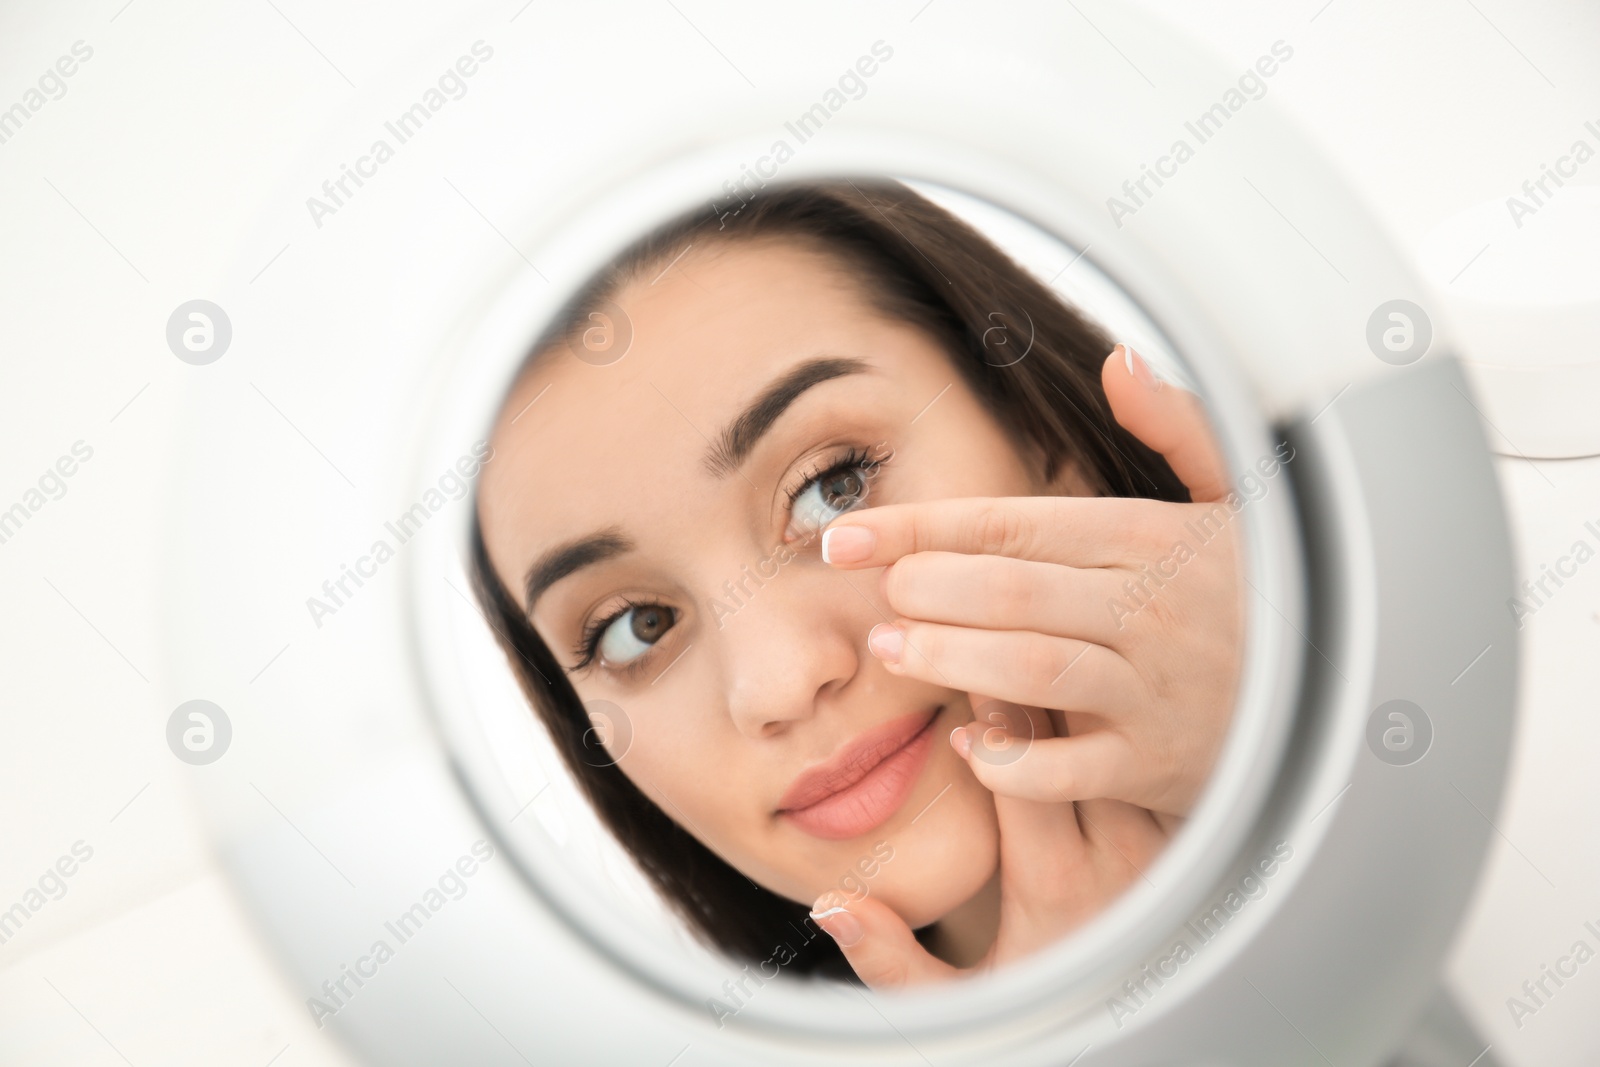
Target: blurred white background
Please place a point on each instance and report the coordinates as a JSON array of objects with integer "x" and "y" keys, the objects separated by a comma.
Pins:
[{"x": 137, "y": 186}]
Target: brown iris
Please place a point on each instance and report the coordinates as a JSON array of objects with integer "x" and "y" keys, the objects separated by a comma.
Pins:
[
  {"x": 846, "y": 483},
  {"x": 650, "y": 621}
]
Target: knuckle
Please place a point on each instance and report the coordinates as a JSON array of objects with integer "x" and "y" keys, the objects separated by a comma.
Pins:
[
  {"x": 997, "y": 528},
  {"x": 1162, "y": 612},
  {"x": 927, "y": 643},
  {"x": 1039, "y": 658},
  {"x": 1014, "y": 593},
  {"x": 924, "y": 522},
  {"x": 1064, "y": 782},
  {"x": 886, "y": 973},
  {"x": 903, "y": 580}
]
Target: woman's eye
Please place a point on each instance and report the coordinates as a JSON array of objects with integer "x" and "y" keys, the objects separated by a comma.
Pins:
[
  {"x": 633, "y": 633},
  {"x": 826, "y": 497}
]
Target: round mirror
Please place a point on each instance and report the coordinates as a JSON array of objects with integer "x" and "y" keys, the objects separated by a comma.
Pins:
[{"x": 860, "y": 597}]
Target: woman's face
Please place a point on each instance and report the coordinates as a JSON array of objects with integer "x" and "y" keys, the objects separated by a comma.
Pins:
[{"x": 759, "y": 720}]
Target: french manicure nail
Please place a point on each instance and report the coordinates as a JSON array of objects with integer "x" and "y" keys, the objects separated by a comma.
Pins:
[
  {"x": 1141, "y": 370},
  {"x": 961, "y": 741},
  {"x": 886, "y": 642},
  {"x": 847, "y": 544},
  {"x": 841, "y": 926}
]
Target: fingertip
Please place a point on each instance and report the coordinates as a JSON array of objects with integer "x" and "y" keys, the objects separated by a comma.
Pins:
[
  {"x": 837, "y": 920},
  {"x": 848, "y": 544},
  {"x": 1116, "y": 358},
  {"x": 887, "y": 641},
  {"x": 961, "y": 741},
  {"x": 1137, "y": 368},
  {"x": 1118, "y": 379}
]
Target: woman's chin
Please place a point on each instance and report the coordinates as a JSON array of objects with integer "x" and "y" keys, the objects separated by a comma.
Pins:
[{"x": 934, "y": 899}]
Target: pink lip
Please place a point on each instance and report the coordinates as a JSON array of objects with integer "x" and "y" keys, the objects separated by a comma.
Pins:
[{"x": 865, "y": 782}]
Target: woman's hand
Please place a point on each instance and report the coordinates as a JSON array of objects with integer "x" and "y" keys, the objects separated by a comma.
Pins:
[
  {"x": 1119, "y": 616},
  {"x": 1060, "y": 864},
  {"x": 1098, "y": 641}
]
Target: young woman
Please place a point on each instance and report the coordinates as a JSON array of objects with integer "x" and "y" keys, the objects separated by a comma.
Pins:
[{"x": 855, "y": 482}]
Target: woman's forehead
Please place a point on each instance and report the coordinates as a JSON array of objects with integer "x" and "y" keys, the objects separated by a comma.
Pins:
[
  {"x": 705, "y": 334},
  {"x": 718, "y": 311}
]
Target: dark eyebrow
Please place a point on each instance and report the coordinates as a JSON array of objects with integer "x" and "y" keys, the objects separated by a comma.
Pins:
[
  {"x": 562, "y": 560},
  {"x": 740, "y": 437}
]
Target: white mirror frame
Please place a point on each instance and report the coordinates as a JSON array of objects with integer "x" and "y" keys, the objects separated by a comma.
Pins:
[{"x": 1190, "y": 867}]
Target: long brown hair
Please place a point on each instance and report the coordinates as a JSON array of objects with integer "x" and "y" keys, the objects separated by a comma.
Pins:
[{"x": 1030, "y": 358}]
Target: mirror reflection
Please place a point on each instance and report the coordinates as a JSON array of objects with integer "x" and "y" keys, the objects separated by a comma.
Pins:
[{"x": 885, "y": 608}]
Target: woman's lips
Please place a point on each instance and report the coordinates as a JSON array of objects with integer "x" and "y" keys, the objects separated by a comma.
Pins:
[{"x": 864, "y": 783}]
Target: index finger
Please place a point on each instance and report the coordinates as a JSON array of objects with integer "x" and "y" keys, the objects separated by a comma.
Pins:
[{"x": 1073, "y": 530}]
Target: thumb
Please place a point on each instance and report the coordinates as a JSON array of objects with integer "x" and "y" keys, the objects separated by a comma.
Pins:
[
  {"x": 877, "y": 942},
  {"x": 1167, "y": 419}
]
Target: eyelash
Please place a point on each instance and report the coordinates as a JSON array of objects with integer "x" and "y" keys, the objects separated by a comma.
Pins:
[
  {"x": 856, "y": 457},
  {"x": 589, "y": 642}
]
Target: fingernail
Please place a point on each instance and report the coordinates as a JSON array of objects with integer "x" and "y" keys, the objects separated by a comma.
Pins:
[
  {"x": 847, "y": 544},
  {"x": 886, "y": 642},
  {"x": 961, "y": 741},
  {"x": 841, "y": 926},
  {"x": 1140, "y": 369}
]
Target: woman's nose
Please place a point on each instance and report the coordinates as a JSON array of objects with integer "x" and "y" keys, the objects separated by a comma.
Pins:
[{"x": 791, "y": 643}]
